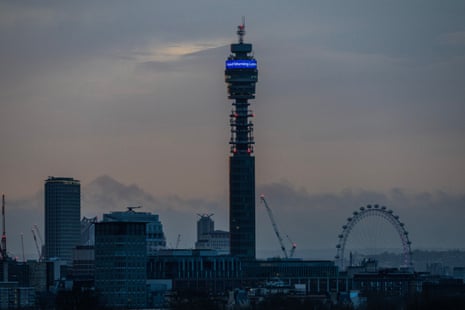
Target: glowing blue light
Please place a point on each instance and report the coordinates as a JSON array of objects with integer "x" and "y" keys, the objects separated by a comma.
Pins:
[{"x": 241, "y": 64}]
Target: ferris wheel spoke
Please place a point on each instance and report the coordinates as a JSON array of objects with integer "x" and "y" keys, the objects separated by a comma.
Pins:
[{"x": 372, "y": 230}]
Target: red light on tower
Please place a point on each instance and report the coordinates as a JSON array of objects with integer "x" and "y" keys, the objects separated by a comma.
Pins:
[{"x": 241, "y": 75}]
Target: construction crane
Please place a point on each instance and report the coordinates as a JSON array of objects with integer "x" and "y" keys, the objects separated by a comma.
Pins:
[
  {"x": 294, "y": 246},
  {"x": 22, "y": 247},
  {"x": 275, "y": 227},
  {"x": 131, "y": 209},
  {"x": 39, "y": 235},
  {"x": 39, "y": 252}
]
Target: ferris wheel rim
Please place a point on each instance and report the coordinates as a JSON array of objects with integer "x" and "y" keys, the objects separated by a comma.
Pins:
[{"x": 374, "y": 210}]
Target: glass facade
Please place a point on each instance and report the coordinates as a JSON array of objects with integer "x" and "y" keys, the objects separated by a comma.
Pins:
[
  {"x": 62, "y": 217},
  {"x": 242, "y": 206},
  {"x": 121, "y": 263},
  {"x": 154, "y": 229}
]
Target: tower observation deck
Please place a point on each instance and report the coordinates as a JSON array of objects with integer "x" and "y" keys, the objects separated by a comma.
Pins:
[{"x": 241, "y": 74}]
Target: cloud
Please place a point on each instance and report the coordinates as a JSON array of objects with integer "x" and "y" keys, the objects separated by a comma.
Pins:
[
  {"x": 107, "y": 194},
  {"x": 176, "y": 50},
  {"x": 361, "y": 95},
  {"x": 158, "y": 66},
  {"x": 111, "y": 74},
  {"x": 184, "y": 57},
  {"x": 312, "y": 220},
  {"x": 178, "y": 215}
]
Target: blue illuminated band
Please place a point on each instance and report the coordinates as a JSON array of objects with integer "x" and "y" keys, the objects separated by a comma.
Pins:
[{"x": 241, "y": 64}]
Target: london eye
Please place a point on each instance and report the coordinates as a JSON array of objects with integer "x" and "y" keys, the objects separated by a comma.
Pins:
[{"x": 379, "y": 224}]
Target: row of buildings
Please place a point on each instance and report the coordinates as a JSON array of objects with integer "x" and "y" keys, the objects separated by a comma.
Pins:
[
  {"x": 110, "y": 255},
  {"x": 124, "y": 258}
]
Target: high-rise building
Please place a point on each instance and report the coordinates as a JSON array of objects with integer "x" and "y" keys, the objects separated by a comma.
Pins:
[
  {"x": 62, "y": 217},
  {"x": 154, "y": 229},
  {"x": 205, "y": 225},
  {"x": 241, "y": 74},
  {"x": 88, "y": 230},
  {"x": 121, "y": 264},
  {"x": 210, "y": 239}
]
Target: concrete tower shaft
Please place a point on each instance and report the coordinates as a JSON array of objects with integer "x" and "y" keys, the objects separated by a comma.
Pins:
[{"x": 241, "y": 75}]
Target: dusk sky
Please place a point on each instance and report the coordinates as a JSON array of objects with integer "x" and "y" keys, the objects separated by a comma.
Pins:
[{"x": 358, "y": 102}]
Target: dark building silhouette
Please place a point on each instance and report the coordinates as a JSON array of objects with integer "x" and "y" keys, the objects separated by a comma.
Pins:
[
  {"x": 154, "y": 229},
  {"x": 62, "y": 217},
  {"x": 84, "y": 266},
  {"x": 196, "y": 270},
  {"x": 209, "y": 238},
  {"x": 241, "y": 75},
  {"x": 88, "y": 230},
  {"x": 121, "y": 263},
  {"x": 205, "y": 225}
]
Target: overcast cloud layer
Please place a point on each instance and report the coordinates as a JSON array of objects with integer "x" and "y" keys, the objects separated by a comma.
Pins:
[
  {"x": 358, "y": 97},
  {"x": 313, "y": 221}
]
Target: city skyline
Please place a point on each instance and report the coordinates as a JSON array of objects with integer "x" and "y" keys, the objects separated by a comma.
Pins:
[
  {"x": 361, "y": 100},
  {"x": 328, "y": 213}
]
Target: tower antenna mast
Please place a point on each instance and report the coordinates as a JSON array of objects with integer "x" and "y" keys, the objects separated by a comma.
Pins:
[
  {"x": 4, "y": 253},
  {"x": 241, "y": 30}
]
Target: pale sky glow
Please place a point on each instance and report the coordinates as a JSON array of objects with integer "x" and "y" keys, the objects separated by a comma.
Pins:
[
  {"x": 166, "y": 52},
  {"x": 365, "y": 97}
]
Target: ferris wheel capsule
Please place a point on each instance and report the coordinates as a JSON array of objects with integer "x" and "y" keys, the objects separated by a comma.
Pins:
[{"x": 369, "y": 211}]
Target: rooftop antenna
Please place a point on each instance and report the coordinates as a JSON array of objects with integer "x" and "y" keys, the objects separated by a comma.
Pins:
[
  {"x": 241, "y": 30},
  {"x": 131, "y": 209},
  {"x": 205, "y": 215}
]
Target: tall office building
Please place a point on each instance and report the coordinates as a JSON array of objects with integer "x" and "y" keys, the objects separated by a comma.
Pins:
[
  {"x": 209, "y": 238},
  {"x": 154, "y": 229},
  {"x": 241, "y": 74},
  {"x": 205, "y": 225},
  {"x": 121, "y": 264},
  {"x": 62, "y": 217}
]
